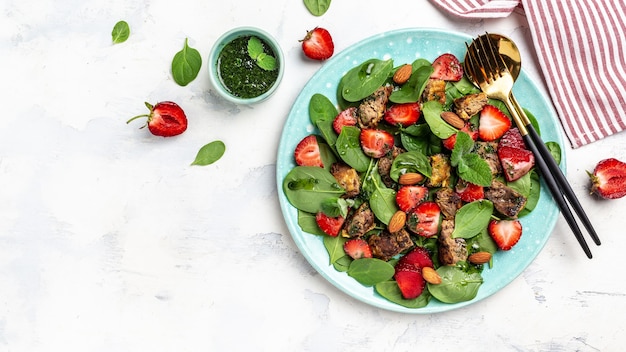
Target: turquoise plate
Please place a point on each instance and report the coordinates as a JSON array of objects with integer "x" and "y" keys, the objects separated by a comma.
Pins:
[{"x": 404, "y": 46}]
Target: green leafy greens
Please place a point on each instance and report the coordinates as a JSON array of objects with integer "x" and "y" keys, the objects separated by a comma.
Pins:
[{"x": 186, "y": 65}]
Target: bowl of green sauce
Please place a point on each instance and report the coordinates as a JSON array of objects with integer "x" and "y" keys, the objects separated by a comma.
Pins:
[{"x": 246, "y": 65}]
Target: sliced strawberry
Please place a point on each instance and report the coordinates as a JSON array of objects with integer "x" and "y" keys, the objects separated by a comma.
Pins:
[
  {"x": 307, "y": 152},
  {"x": 346, "y": 117},
  {"x": 357, "y": 248},
  {"x": 506, "y": 233},
  {"x": 448, "y": 68},
  {"x": 376, "y": 143},
  {"x": 608, "y": 179},
  {"x": 419, "y": 257},
  {"x": 492, "y": 123},
  {"x": 515, "y": 162},
  {"x": 330, "y": 225},
  {"x": 512, "y": 138},
  {"x": 424, "y": 219},
  {"x": 469, "y": 192},
  {"x": 410, "y": 280},
  {"x": 409, "y": 197},
  {"x": 318, "y": 44},
  {"x": 403, "y": 114},
  {"x": 166, "y": 119},
  {"x": 449, "y": 142}
]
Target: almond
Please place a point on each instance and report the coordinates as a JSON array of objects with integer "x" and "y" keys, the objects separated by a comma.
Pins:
[
  {"x": 397, "y": 221},
  {"x": 480, "y": 258},
  {"x": 410, "y": 178},
  {"x": 403, "y": 74},
  {"x": 453, "y": 119},
  {"x": 431, "y": 276}
]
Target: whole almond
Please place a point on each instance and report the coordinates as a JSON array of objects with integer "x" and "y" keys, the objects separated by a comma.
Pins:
[
  {"x": 397, "y": 221},
  {"x": 480, "y": 258},
  {"x": 403, "y": 74},
  {"x": 410, "y": 178},
  {"x": 453, "y": 119},
  {"x": 431, "y": 276}
]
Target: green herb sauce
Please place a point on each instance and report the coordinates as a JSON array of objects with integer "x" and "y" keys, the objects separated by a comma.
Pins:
[{"x": 240, "y": 74}]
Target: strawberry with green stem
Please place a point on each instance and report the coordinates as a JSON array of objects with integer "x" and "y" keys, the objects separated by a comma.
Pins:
[{"x": 166, "y": 119}]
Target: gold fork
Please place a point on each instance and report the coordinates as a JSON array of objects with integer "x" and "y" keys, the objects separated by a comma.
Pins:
[{"x": 486, "y": 68}]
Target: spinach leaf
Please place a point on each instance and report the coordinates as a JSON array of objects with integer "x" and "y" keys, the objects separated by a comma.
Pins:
[
  {"x": 186, "y": 65},
  {"x": 432, "y": 114},
  {"x": 533, "y": 195},
  {"x": 349, "y": 149},
  {"x": 391, "y": 291},
  {"x": 412, "y": 161},
  {"x": 121, "y": 32},
  {"x": 362, "y": 80},
  {"x": 321, "y": 109},
  {"x": 210, "y": 153},
  {"x": 555, "y": 151},
  {"x": 307, "y": 187},
  {"x": 370, "y": 271},
  {"x": 308, "y": 224},
  {"x": 456, "y": 285},
  {"x": 317, "y": 7},
  {"x": 413, "y": 88},
  {"x": 382, "y": 200},
  {"x": 472, "y": 218}
]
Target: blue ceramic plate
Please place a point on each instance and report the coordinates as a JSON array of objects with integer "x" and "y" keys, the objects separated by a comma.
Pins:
[{"x": 404, "y": 46}]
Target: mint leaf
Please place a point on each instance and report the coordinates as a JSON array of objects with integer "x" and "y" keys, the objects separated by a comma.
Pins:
[
  {"x": 474, "y": 169},
  {"x": 121, "y": 32},
  {"x": 266, "y": 62},
  {"x": 186, "y": 65},
  {"x": 255, "y": 48}
]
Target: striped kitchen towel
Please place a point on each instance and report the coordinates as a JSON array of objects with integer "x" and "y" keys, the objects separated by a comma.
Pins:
[{"x": 581, "y": 47}]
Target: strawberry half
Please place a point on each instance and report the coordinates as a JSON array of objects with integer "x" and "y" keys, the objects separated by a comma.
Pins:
[
  {"x": 469, "y": 192},
  {"x": 506, "y": 233},
  {"x": 448, "y": 68},
  {"x": 608, "y": 179},
  {"x": 424, "y": 219},
  {"x": 166, "y": 119},
  {"x": 307, "y": 152},
  {"x": 419, "y": 257},
  {"x": 330, "y": 225},
  {"x": 409, "y": 197},
  {"x": 346, "y": 117},
  {"x": 318, "y": 44},
  {"x": 515, "y": 162},
  {"x": 357, "y": 248},
  {"x": 512, "y": 138},
  {"x": 409, "y": 279},
  {"x": 492, "y": 123},
  {"x": 449, "y": 142},
  {"x": 376, "y": 143},
  {"x": 403, "y": 114}
]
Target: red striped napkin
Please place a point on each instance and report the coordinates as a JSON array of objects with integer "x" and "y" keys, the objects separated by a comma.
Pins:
[{"x": 581, "y": 47}]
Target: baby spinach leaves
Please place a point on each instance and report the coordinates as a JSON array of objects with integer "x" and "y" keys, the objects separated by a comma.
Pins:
[
  {"x": 411, "y": 90},
  {"x": 470, "y": 166},
  {"x": 382, "y": 199},
  {"x": 317, "y": 7},
  {"x": 457, "y": 285},
  {"x": 432, "y": 114},
  {"x": 121, "y": 32},
  {"x": 472, "y": 218},
  {"x": 362, "y": 80},
  {"x": 370, "y": 271},
  {"x": 308, "y": 187},
  {"x": 257, "y": 53},
  {"x": 210, "y": 153},
  {"x": 349, "y": 149},
  {"x": 390, "y": 290},
  {"x": 186, "y": 65},
  {"x": 412, "y": 161}
]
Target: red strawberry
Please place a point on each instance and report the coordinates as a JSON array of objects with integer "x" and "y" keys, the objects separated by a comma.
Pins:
[
  {"x": 307, "y": 152},
  {"x": 330, "y": 225},
  {"x": 512, "y": 138},
  {"x": 424, "y": 219},
  {"x": 345, "y": 118},
  {"x": 448, "y": 68},
  {"x": 419, "y": 257},
  {"x": 318, "y": 44},
  {"x": 357, "y": 248},
  {"x": 492, "y": 123},
  {"x": 469, "y": 192},
  {"x": 403, "y": 114},
  {"x": 506, "y": 233},
  {"x": 515, "y": 162},
  {"x": 449, "y": 142},
  {"x": 608, "y": 179},
  {"x": 409, "y": 197},
  {"x": 410, "y": 280},
  {"x": 376, "y": 143},
  {"x": 166, "y": 119}
]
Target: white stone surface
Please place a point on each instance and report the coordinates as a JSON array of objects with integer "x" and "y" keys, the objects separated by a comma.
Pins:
[{"x": 111, "y": 241}]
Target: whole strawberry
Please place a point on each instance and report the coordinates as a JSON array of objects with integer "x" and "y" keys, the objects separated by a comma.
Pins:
[
  {"x": 166, "y": 119},
  {"x": 318, "y": 44},
  {"x": 608, "y": 179}
]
